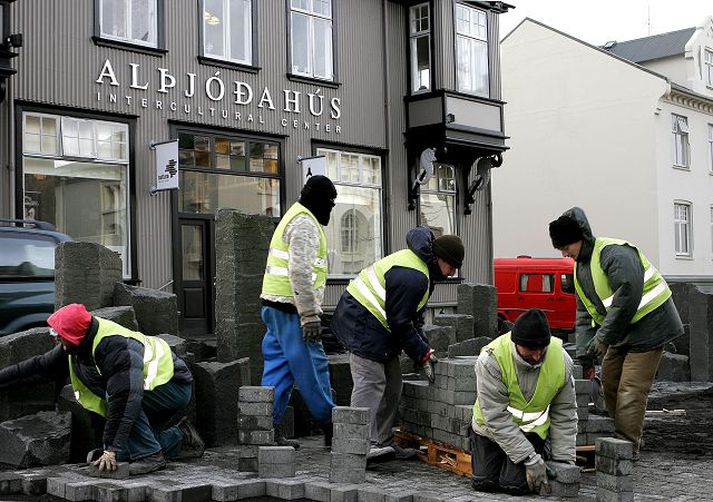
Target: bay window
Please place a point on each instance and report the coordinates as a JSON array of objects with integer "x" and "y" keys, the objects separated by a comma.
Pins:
[
  {"x": 420, "y": 46},
  {"x": 472, "y": 51}
]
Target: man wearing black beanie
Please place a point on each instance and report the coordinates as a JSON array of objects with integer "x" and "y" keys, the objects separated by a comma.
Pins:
[
  {"x": 292, "y": 293},
  {"x": 525, "y": 396},
  {"x": 624, "y": 312}
]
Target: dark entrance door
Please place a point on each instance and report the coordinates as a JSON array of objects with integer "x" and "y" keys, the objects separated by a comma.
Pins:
[{"x": 197, "y": 271}]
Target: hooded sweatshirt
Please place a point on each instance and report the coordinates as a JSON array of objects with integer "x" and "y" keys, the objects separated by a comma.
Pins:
[
  {"x": 362, "y": 334},
  {"x": 625, "y": 273}
]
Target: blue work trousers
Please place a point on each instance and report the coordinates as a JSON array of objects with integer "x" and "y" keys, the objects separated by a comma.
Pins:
[
  {"x": 149, "y": 433},
  {"x": 289, "y": 360}
]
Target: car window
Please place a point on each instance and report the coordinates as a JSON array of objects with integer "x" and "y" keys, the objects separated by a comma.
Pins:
[
  {"x": 26, "y": 255},
  {"x": 567, "y": 283},
  {"x": 537, "y": 283}
]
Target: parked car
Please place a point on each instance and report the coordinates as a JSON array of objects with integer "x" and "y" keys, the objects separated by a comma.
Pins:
[
  {"x": 26, "y": 273},
  {"x": 546, "y": 283}
]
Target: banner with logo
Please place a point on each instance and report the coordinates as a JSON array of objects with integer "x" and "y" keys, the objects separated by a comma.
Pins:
[
  {"x": 166, "y": 155},
  {"x": 312, "y": 166}
]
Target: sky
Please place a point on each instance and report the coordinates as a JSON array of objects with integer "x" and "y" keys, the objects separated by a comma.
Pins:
[{"x": 598, "y": 22}]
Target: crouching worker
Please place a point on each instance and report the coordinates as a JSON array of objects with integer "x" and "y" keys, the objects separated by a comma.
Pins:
[
  {"x": 134, "y": 381},
  {"x": 526, "y": 409}
]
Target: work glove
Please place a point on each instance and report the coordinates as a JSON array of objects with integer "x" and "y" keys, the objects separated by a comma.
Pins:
[
  {"x": 536, "y": 472},
  {"x": 429, "y": 360},
  {"x": 107, "y": 462},
  {"x": 597, "y": 348},
  {"x": 311, "y": 329}
]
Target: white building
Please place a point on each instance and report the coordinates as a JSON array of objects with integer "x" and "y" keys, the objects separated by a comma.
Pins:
[{"x": 625, "y": 132}]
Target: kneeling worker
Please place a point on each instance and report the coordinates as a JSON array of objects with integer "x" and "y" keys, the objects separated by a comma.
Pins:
[
  {"x": 526, "y": 398},
  {"x": 134, "y": 381}
]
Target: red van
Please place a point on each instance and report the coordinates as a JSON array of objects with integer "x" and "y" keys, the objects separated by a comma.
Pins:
[{"x": 546, "y": 283}]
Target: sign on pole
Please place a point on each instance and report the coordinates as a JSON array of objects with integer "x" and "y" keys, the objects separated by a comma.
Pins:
[
  {"x": 312, "y": 166},
  {"x": 166, "y": 155}
]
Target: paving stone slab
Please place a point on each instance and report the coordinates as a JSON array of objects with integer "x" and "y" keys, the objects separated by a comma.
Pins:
[
  {"x": 355, "y": 446},
  {"x": 285, "y": 489},
  {"x": 255, "y": 409},
  {"x": 604, "y": 495},
  {"x": 276, "y": 470},
  {"x": 615, "y": 483},
  {"x": 34, "y": 484},
  {"x": 615, "y": 448},
  {"x": 80, "y": 491},
  {"x": 345, "y": 492},
  {"x": 256, "y": 437},
  {"x": 121, "y": 472},
  {"x": 10, "y": 483},
  {"x": 565, "y": 473},
  {"x": 614, "y": 466},
  {"x": 256, "y": 394},
  {"x": 349, "y": 415},
  {"x": 319, "y": 491}
]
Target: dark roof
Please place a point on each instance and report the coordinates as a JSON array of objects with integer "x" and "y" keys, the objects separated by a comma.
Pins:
[{"x": 654, "y": 47}]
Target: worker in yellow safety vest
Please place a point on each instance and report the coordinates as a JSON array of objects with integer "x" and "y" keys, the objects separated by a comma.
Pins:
[
  {"x": 625, "y": 313},
  {"x": 135, "y": 382},
  {"x": 526, "y": 398}
]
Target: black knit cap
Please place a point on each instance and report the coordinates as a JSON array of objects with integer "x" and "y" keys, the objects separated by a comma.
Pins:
[
  {"x": 449, "y": 248},
  {"x": 531, "y": 330},
  {"x": 319, "y": 186},
  {"x": 564, "y": 230}
]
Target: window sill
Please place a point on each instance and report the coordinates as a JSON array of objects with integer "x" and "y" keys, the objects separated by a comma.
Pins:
[
  {"x": 682, "y": 168},
  {"x": 684, "y": 258},
  {"x": 229, "y": 65},
  {"x": 128, "y": 46},
  {"x": 314, "y": 81}
]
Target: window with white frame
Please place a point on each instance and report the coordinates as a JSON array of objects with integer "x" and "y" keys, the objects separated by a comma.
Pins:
[
  {"x": 437, "y": 208},
  {"x": 681, "y": 153},
  {"x": 133, "y": 21},
  {"x": 354, "y": 235},
  {"x": 76, "y": 176},
  {"x": 710, "y": 147},
  {"x": 420, "y": 42},
  {"x": 682, "y": 228},
  {"x": 708, "y": 67},
  {"x": 472, "y": 50},
  {"x": 311, "y": 53},
  {"x": 227, "y": 30}
]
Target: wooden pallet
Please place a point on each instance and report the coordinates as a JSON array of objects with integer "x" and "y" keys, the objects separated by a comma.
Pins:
[{"x": 459, "y": 461}]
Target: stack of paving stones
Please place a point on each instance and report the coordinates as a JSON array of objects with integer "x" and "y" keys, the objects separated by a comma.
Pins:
[
  {"x": 614, "y": 460},
  {"x": 350, "y": 444},
  {"x": 565, "y": 482},
  {"x": 589, "y": 427},
  {"x": 442, "y": 411},
  {"x": 276, "y": 462},
  {"x": 255, "y": 427}
]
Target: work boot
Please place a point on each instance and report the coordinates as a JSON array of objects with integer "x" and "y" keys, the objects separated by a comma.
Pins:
[
  {"x": 403, "y": 453},
  {"x": 280, "y": 438},
  {"x": 193, "y": 445},
  {"x": 152, "y": 463},
  {"x": 328, "y": 430},
  {"x": 380, "y": 453}
]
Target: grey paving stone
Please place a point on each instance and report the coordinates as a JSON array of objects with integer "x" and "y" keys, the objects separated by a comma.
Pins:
[
  {"x": 10, "y": 482},
  {"x": 285, "y": 489},
  {"x": 248, "y": 464},
  {"x": 604, "y": 495},
  {"x": 34, "y": 484},
  {"x": 356, "y": 446},
  {"x": 256, "y": 394},
  {"x": 349, "y": 415},
  {"x": 255, "y": 423},
  {"x": 565, "y": 473},
  {"x": 276, "y": 455},
  {"x": 399, "y": 497},
  {"x": 80, "y": 491},
  {"x": 429, "y": 497},
  {"x": 565, "y": 490},
  {"x": 370, "y": 494},
  {"x": 276, "y": 470},
  {"x": 250, "y": 488},
  {"x": 615, "y": 448},
  {"x": 255, "y": 409},
  {"x": 614, "y": 466},
  {"x": 351, "y": 431},
  {"x": 224, "y": 491},
  {"x": 55, "y": 486},
  {"x": 39, "y": 439},
  {"x": 256, "y": 437},
  {"x": 615, "y": 483},
  {"x": 344, "y": 493},
  {"x": 319, "y": 491}
]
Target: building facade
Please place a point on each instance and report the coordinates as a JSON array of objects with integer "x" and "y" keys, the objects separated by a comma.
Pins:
[
  {"x": 248, "y": 88},
  {"x": 624, "y": 131}
]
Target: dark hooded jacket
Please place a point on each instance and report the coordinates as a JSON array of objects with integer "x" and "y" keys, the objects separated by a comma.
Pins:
[
  {"x": 120, "y": 360},
  {"x": 362, "y": 334},
  {"x": 623, "y": 268}
]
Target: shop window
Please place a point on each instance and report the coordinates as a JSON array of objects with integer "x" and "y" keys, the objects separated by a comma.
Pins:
[
  {"x": 420, "y": 46},
  {"x": 226, "y": 171},
  {"x": 311, "y": 52},
  {"x": 81, "y": 183},
  {"x": 681, "y": 146},
  {"x": 130, "y": 21},
  {"x": 472, "y": 50},
  {"x": 437, "y": 205},
  {"x": 354, "y": 233},
  {"x": 227, "y": 30}
]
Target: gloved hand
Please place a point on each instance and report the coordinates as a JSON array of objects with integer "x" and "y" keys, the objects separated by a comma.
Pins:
[
  {"x": 311, "y": 329},
  {"x": 107, "y": 462},
  {"x": 596, "y": 347},
  {"x": 429, "y": 361},
  {"x": 536, "y": 473}
]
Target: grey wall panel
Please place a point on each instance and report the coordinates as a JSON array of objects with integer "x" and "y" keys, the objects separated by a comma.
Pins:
[
  {"x": 445, "y": 44},
  {"x": 494, "y": 54}
]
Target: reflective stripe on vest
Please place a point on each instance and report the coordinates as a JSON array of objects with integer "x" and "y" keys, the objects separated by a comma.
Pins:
[
  {"x": 654, "y": 294},
  {"x": 369, "y": 287},
  {"x": 533, "y": 415},
  {"x": 158, "y": 364},
  {"x": 277, "y": 271}
]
